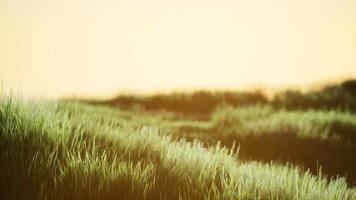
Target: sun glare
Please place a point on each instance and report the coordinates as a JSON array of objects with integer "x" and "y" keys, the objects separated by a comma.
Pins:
[{"x": 87, "y": 48}]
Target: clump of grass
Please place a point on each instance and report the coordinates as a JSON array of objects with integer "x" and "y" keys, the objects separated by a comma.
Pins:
[
  {"x": 308, "y": 138},
  {"x": 267, "y": 120},
  {"x": 231, "y": 120},
  {"x": 58, "y": 151}
]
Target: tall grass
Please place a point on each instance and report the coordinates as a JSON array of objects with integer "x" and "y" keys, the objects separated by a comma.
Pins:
[
  {"x": 267, "y": 120},
  {"x": 309, "y": 138},
  {"x": 55, "y": 151}
]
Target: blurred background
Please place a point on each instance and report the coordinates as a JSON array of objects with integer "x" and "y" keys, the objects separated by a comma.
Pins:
[{"x": 97, "y": 49}]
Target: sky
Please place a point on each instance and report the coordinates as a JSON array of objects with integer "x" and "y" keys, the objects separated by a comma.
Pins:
[{"x": 101, "y": 48}]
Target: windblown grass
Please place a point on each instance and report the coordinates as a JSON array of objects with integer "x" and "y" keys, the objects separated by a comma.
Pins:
[{"x": 64, "y": 151}]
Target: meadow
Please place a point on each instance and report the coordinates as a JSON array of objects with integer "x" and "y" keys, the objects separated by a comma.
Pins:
[{"x": 201, "y": 145}]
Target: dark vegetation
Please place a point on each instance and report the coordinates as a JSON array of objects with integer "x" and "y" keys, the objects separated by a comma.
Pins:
[
  {"x": 203, "y": 103},
  {"x": 199, "y": 104}
]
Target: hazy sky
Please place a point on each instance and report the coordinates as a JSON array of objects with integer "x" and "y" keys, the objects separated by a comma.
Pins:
[{"x": 83, "y": 47}]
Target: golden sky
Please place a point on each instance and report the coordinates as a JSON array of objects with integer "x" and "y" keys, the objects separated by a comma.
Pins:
[{"x": 98, "y": 48}]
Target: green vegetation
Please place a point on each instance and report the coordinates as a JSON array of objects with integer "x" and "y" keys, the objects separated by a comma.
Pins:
[
  {"x": 266, "y": 120},
  {"x": 203, "y": 145},
  {"x": 309, "y": 138},
  {"x": 313, "y": 129},
  {"x": 75, "y": 151}
]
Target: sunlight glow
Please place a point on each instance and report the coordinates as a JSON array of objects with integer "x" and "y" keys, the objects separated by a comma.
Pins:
[{"x": 92, "y": 48}]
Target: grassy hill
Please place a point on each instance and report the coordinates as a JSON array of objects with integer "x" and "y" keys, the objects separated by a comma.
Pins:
[
  {"x": 235, "y": 146},
  {"x": 313, "y": 129}
]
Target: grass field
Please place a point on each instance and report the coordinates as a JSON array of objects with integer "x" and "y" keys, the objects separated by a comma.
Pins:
[{"x": 137, "y": 149}]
